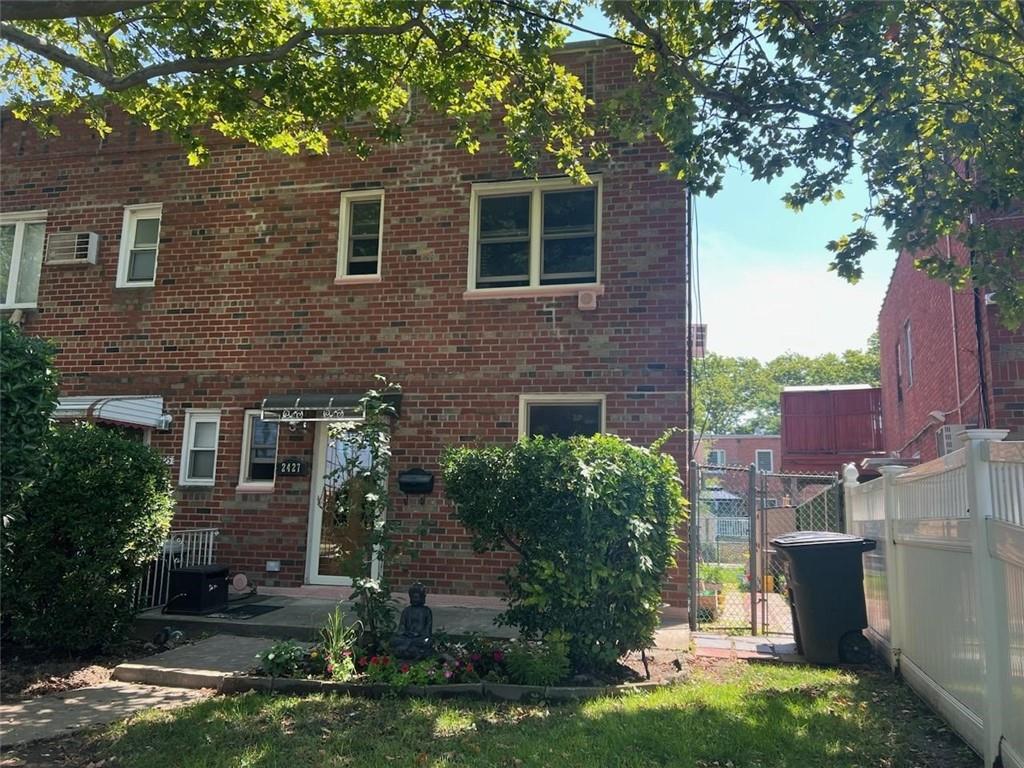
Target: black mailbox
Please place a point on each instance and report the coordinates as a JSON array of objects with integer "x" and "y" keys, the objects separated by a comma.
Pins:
[{"x": 416, "y": 480}]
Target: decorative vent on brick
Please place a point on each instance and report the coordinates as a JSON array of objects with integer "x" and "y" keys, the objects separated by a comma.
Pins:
[{"x": 72, "y": 247}]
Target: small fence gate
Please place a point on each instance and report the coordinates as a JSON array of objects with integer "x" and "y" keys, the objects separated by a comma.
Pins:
[{"x": 737, "y": 580}]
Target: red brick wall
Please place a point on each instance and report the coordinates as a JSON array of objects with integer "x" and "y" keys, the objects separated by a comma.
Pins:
[
  {"x": 741, "y": 450},
  {"x": 245, "y": 306},
  {"x": 945, "y": 350}
]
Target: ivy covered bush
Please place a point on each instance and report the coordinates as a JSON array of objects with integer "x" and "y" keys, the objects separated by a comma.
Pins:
[
  {"x": 593, "y": 521},
  {"x": 91, "y": 524}
]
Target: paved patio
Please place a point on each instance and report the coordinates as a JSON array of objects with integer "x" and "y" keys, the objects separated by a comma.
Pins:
[{"x": 300, "y": 618}]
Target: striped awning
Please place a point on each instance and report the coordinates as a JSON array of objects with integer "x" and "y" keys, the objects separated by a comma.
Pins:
[{"x": 142, "y": 411}]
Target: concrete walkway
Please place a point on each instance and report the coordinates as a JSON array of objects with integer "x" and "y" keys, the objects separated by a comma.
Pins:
[
  {"x": 48, "y": 716},
  {"x": 300, "y": 618},
  {"x": 763, "y": 647}
]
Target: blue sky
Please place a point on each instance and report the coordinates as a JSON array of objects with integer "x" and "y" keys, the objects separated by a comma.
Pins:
[{"x": 765, "y": 288}]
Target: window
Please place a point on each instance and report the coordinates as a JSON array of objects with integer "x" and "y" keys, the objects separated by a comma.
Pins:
[
  {"x": 140, "y": 242},
  {"x": 21, "y": 257},
  {"x": 770, "y": 503},
  {"x": 716, "y": 457},
  {"x": 259, "y": 452},
  {"x": 199, "y": 452},
  {"x": 764, "y": 459},
  {"x": 899, "y": 373},
  {"x": 908, "y": 351},
  {"x": 561, "y": 415},
  {"x": 361, "y": 231},
  {"x": 534, "y": 234}
]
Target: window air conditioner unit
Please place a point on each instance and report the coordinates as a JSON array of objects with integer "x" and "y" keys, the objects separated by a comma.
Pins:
[
  {"x": 947, "y": 438},
  {"x": 72, "y": 248}
]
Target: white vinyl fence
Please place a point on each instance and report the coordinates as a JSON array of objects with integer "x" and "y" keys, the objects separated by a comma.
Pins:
[{"x": 945, "y": 585}]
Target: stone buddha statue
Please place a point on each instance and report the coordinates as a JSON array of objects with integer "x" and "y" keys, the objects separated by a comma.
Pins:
[{"x": 414, "y": 640}]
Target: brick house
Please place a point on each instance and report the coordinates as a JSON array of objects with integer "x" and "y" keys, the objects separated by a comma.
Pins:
[
  {"x": 225, "y": 313},
  {"x": 741, "y": 451},
  {"x": 947, "y": 362}
]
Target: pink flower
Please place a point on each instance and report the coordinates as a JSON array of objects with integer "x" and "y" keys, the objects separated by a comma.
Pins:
[
  {"x": 475, "y": 657},
  {"x": 498, "y": 656},
  {"x": 404, "y": 668},
  {"x": 447, "y": 674}
]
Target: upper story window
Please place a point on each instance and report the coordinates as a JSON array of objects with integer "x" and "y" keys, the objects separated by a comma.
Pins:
[
  {"x": 716, "y": 457},
  {"x": 908, "y": 350},
  {"x": 361, "y": 232},
  {"x": 765, "y": 460},
  {"x": 140, "y": 242},
  {"x": 199, "y": 450},
  {"x": 21, "y": 257},
  {"x": 899, "y": 372},
  {"x": 562, "y": 416},
  {"x": 532, "y": 234},
  {"x": 259, "y": 452}
]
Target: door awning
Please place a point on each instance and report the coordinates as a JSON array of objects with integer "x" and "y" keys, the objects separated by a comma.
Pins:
[
  {"x": 318, "y": 407},
  {"x": 142, "y": 411}
]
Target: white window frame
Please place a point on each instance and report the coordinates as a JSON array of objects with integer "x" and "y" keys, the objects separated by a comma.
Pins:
[
  {"x": 195, "y": 416},
  {"x": 536, "y": 188},
  {"x": 716, "y": 451},
  {"x": 771, "y": 459},
  {"x": 344, "y": 235},
  {"x": 19, "y": 219},
  {"x": 909, "y": 352},
  {"x": 132, "y": 213},
  {"x": 578, "y": 398},
  {"x": 254, "y": 486}
]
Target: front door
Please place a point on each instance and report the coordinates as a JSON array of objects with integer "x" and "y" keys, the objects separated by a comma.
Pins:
[{"x": 340, "y": 522}]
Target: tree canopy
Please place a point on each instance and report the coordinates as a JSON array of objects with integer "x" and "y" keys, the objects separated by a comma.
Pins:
[
  {"x": 740, "y": 395},
  {"x": 927, "y": 98}
]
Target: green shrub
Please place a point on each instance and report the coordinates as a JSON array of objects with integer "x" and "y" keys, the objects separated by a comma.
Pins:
[
  {"x": 28, "y": 395},
  {"x": 545, "y": 663},
  {"x": 91, "y": 525},
  {"x": 593, "y": 521},
  {"x": 282, "y": 659}
]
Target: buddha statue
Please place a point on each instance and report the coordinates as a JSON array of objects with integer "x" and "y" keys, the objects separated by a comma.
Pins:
[{"x": 414, "y": 640}]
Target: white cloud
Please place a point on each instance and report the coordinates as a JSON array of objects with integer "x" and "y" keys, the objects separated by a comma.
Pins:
[{"x": 762, "y": 303}]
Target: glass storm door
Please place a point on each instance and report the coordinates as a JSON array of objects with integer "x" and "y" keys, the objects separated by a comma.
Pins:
[{"x": 339, "y": 546}]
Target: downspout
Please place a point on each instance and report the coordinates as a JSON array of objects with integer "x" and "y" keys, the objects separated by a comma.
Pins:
[
  {"x": 979, "y": 333},
  {"x": 956, "y": 343}
]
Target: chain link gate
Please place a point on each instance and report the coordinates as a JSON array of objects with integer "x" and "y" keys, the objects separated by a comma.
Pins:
[{"x": 739, "y": 585}]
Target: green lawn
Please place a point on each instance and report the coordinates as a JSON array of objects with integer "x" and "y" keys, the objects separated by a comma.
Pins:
[{"x": 729, "y": 714}]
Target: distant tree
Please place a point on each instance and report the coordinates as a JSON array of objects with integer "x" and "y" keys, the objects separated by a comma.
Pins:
[{"x": 740, "y": 395}]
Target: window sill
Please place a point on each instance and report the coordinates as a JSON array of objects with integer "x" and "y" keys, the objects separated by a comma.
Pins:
[
  {"x": 357, "y": 279},
  {"x": 254, "y": 488},
  {"x": 136, "y": 285},
  {"x": 196, "y": 485},
  {"x": 12, "y": 307},
  {"x": 532, "y": 292}
]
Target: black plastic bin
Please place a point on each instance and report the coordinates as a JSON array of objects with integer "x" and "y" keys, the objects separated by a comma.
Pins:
[
  {"x": 825, "y": 579},
  {"x": 198, "y": 589}
]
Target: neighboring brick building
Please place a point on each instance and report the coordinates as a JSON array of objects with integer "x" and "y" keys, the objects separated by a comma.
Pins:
[
  {"x": 934, "y": 380},
  {"x": 741, "y": 451},
  {"x": 217, "y": 287}
]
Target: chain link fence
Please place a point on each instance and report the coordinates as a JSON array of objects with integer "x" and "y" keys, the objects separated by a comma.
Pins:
[{"x": 740, "y": 580}]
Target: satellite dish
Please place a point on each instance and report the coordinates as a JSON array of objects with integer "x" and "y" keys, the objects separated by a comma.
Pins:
[{"x": 239, "y": 582}]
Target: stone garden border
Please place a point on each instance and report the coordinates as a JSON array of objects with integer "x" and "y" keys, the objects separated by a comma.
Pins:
[{"x": 481, "y": 690}]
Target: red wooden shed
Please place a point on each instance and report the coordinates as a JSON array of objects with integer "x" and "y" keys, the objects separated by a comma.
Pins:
[{"x": 825, "y": 427}]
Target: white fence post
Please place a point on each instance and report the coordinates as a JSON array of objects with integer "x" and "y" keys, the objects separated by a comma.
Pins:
[
  {"x": 979, "y": 497},
  {"x": 893, "y": 563}
]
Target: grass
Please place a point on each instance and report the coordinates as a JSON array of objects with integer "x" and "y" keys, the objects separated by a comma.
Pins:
[{"x": 728, "y": 714}]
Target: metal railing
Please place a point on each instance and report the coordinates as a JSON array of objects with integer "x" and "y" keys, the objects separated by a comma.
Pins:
[{"x": 181, "y": 549}]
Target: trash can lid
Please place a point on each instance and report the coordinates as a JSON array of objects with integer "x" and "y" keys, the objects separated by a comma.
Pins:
[{"x": 815, "y": 538}]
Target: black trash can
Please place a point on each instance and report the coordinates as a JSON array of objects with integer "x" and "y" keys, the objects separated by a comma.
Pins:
[
  {"x": 825, "y": 579},
  {"x": 198, "y": 589}
]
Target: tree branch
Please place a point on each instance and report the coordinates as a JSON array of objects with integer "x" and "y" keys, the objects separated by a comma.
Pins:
[{"x": 192, "y": 64}]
